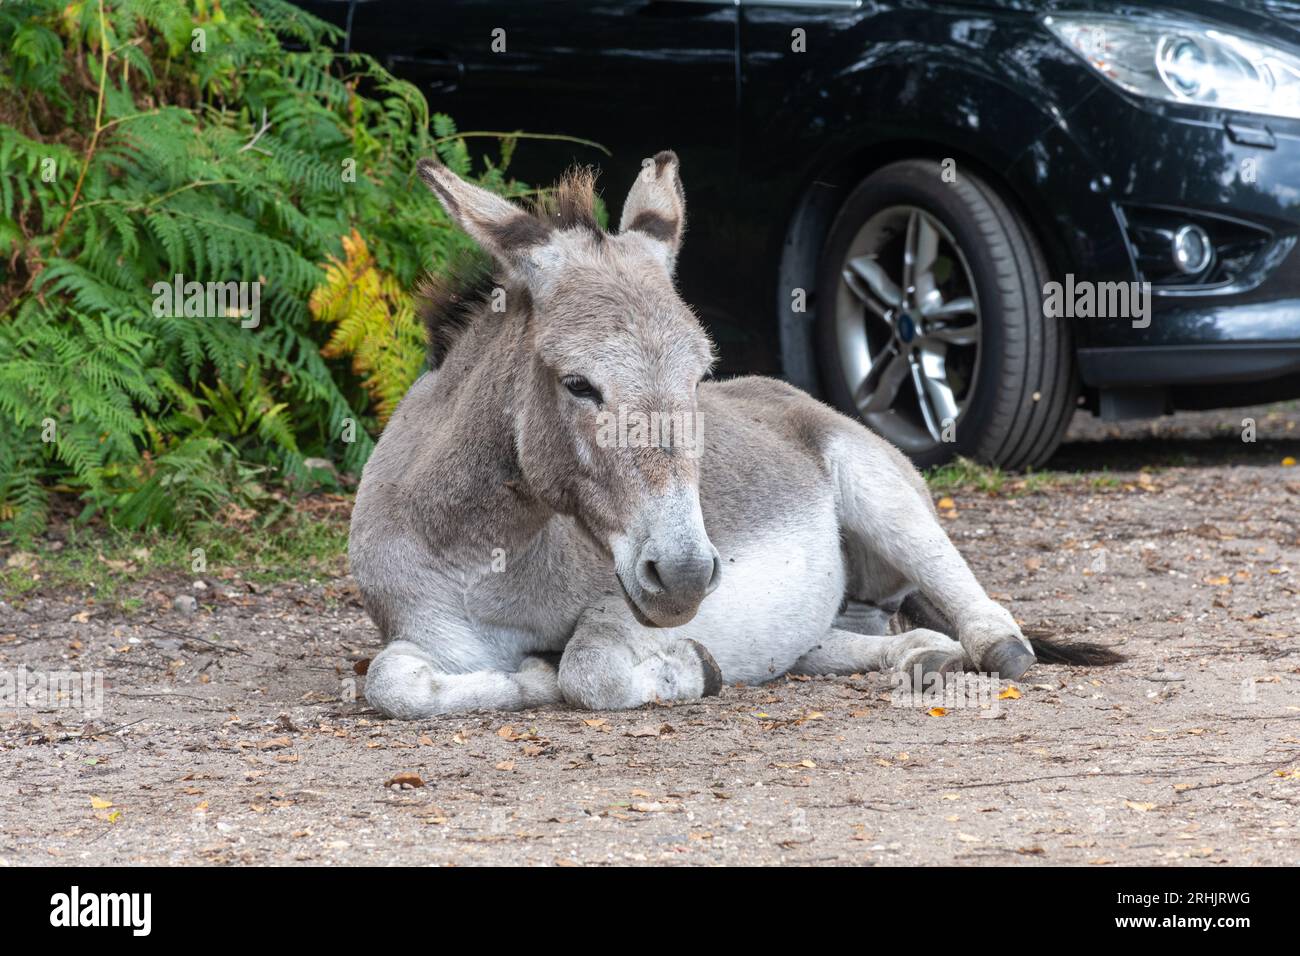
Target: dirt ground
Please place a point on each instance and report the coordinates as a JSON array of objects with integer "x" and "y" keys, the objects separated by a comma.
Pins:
[{"x": 238, "y": 733}]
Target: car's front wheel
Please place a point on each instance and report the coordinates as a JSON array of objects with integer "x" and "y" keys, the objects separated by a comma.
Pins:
[{"x": 930, "y": 321}]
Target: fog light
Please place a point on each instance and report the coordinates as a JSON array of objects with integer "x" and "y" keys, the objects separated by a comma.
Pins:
[{"x": 1192, "y": 250}]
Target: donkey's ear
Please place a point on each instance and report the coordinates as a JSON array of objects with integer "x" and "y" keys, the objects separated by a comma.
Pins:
[
  {"x": 656, "y": 206},
  {"x": 506, "y": 232}
]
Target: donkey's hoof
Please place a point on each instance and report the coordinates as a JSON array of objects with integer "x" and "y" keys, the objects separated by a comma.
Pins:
[
  {"x": 712, "y": 672},
  {"x": 1008, "y": 659},
  {"x": 926, "y": 668}
]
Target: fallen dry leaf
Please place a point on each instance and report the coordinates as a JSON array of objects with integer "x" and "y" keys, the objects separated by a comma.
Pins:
[
  {"x": 508, "y": 733},
  {"x": 405, "y": 781},
  {"x": 649, "y": 730}
]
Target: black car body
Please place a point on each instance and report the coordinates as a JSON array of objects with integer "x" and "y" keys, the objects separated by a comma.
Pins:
[{"x": 774, "y": 140}]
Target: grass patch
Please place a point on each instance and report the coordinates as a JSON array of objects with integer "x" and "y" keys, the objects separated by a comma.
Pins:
[
  {"x": 1104, "y": 482},
  {"x": 962, "y": 474},
  {"x": 308, "y": 541}
]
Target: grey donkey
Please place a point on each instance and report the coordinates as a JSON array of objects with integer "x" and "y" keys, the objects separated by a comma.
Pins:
[{"x": 518, "y": 509}]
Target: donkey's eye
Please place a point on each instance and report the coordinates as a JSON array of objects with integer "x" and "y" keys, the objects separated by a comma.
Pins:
[{"x": 579, "y": 387}]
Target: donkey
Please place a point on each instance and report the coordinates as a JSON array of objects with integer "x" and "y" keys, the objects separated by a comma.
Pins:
[{"x": 503, "y": 523}]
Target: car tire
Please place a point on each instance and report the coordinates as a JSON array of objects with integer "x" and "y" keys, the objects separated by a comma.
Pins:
[{"x": 1015, "y": 396}]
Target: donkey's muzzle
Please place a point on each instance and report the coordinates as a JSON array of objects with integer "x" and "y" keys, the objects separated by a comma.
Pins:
[{"x": 671, "y": 586}]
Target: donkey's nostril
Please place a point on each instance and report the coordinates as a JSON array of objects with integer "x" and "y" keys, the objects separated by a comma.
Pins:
[
  {"x": 716, "y": 577},
  {"x": 647, "y": 573}
]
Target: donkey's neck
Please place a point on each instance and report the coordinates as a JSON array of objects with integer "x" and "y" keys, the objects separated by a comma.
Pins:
[{"x": 477, "y": 499}]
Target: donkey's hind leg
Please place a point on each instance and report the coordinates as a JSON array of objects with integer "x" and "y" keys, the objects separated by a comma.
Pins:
[
  {"x": 864, "y": 617},
  {"x": 891, "y": 529},
  {"x": 917, "y": 653},
  {"x": 404, "y": 682},
  {"x": 614, "y": 663}
]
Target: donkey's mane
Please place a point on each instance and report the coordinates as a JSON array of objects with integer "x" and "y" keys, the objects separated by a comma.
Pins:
[
  {"x": 571, "y": 203},
  {"x": 449, "y": 302}
]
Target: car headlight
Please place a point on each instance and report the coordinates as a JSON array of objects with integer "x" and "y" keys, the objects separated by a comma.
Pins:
[{"x": 1184, "y": 62}]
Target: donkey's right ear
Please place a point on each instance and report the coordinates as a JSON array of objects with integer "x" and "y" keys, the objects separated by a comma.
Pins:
[
  {"x": 656, "y": 207},
  {"x": 506, "y": 232}
]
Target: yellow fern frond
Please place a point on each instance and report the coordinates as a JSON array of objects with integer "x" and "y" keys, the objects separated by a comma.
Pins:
[{"x": 374, "y": 324}]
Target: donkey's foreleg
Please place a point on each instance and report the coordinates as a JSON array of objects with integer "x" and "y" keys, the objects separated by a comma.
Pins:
[
  {"x": 917, "y": 653},
  {"x": 614, "y": 663},
  {"x": 405, "y": 682},
  {"x": 885, "y": 507}
]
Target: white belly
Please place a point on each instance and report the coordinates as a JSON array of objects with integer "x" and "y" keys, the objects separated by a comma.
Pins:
[{"x": 779, "y": 595}]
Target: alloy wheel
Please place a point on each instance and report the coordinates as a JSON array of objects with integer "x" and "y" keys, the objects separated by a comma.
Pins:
[{"x": 908, "y": 327}]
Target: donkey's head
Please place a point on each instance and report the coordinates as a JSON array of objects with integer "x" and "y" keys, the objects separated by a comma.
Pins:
[{"x": 606, "y": 421}]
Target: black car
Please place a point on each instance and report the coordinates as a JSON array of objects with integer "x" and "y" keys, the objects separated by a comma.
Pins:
[{"x": 959, "y": 220}]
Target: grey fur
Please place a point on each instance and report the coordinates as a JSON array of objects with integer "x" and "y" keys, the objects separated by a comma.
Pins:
[{"x": 493, "y": 525}]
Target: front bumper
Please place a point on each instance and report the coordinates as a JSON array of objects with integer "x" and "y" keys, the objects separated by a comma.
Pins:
[{"x": 1111, "y": 155}]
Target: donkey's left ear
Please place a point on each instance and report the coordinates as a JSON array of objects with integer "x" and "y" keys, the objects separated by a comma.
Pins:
[
  {"x": 656, "y": 207},
  {"x": 512, "y": 236}
]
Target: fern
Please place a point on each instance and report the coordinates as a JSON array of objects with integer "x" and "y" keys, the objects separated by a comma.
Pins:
[
  {"x": 244, "y": 162},
  {"x": 374, "y": 321}
]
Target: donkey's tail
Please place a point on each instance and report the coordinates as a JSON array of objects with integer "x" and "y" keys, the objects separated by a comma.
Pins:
[
  {"x": 919, "y": 611},
  {"x": 1052, "y": 650}
]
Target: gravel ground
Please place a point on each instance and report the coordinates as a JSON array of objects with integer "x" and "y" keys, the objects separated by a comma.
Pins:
[{"x": 237, "y": 734}]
